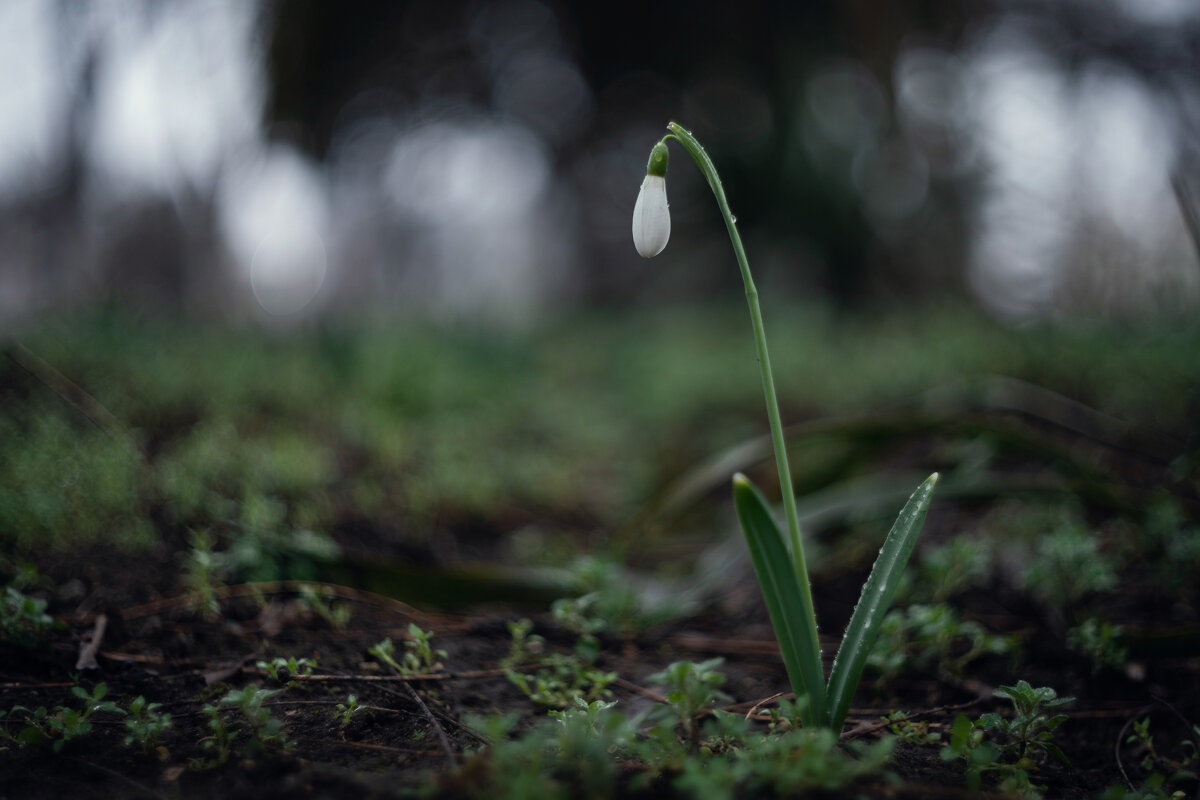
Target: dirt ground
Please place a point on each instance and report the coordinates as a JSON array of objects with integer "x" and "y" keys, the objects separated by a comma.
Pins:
[{"x": 154, "y": 643}]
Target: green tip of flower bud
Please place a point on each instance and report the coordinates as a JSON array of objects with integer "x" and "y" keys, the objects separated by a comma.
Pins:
[{"x": 657, "y": 165}]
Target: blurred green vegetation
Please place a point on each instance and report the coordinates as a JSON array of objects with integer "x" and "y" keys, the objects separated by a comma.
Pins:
[{"x": 403, "y": 429}]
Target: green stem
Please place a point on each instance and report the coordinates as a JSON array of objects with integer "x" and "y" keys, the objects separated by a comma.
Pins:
[{"x": 696, "y": 151}]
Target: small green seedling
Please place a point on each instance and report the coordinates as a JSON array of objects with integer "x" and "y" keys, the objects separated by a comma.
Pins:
[
  {"x": 1166, "y": 771},
  {"x": 922, "y": 635},
  {"x": 783, "y": 575},
  {"x": 146, "y": 724},
  {"x": 62, "y": 724},
  {"x": 420, "y": 658},
  {"x": 561, "y": 680},
  {"x": 585, "y": 718},
  {"x": 1027, "y": 737},
  {"x": 1031, "y": 729},
  {"x": 1067, "y": 566},
  {"x": 265, "y": 732},
  {"x": 1141, "y": 736},
  {"x": 614, "y": 605},
  {"x": 313, "y": 599},
  {"x": 202, "y": 571},
  {"x": 691, "y": 690},
  {"x": 23, "y": 619},
  {"x": 798, "y": 763},
  {"x": 420, "y": 655},
  {"x": 787, "y": 715},
  {"x": 578, "y": 615},
  {"x": 576, "y": 756},
  {"x": 950, "y": 569},
  {"x": 345, "y": 711},
  {"x": 1099, "y": 641},
  {"x": 281, "y": 670},
  {"x": 220, "y": 739},
  {"x": 526, "y": 645},
  {"x": 967, "y": 744},
  {"x": 915, "y": 733}
]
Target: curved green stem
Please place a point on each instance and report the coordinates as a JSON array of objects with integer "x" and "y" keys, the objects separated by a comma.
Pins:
[{"x": 696, "y": 151}]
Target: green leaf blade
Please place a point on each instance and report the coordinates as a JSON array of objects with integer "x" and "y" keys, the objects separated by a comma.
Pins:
[
  {"x": 795, "y": 630},
  {"x": 875, "y": 600}
]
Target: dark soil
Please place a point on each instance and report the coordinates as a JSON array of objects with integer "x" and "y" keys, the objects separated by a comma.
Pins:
[{"x": 154, "y": 644}]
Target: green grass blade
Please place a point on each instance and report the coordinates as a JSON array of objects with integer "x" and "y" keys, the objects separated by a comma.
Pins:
[
  {"x": 876, "y": 597},
  {"x": 795, "y": 629}
]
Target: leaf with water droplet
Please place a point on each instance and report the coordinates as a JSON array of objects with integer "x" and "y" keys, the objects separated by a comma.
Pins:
[{"x": 874, "y": 601}]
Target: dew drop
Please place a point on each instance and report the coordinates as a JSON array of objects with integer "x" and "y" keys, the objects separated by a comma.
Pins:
[{"x": 733, "y": 218}]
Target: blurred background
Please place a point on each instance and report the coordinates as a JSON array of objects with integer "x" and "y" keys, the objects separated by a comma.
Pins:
[{"x": 479, "y": 160}]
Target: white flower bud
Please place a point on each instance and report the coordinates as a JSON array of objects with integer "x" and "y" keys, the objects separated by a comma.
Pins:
[{"x": 651, "y": 217}]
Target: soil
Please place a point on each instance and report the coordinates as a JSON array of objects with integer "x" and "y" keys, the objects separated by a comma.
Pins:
[{"x": 155, "y": 644}]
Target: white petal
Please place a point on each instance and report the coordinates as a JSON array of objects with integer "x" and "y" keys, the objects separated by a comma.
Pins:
[{"x": 651, "y": 219}]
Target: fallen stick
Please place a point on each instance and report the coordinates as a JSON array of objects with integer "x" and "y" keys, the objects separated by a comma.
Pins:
[{"x": 91, "y": 645}]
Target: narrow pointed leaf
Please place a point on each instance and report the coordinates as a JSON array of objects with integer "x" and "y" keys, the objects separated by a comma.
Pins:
[
  {"x": 795, "y": 629},
  {"x": 876, "y": 597}
]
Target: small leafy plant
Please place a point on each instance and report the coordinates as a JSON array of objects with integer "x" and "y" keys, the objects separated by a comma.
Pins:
[
  {"x": 312, "y": 598},
  {"x": 967, "y": 744},
  {"x": 1027, "y": 738},
  {"x": 949, "y": 570},
  {"x": 345, "y": 711},
  {"x": 578, "y": 615},
  {"x": 793, "y": 764},
  {"x": 922, "y": 635},
  {"x": 264, "y": 731},
  {"x": 526, "y": 645},
  {"x": 419, "y": 658},
  {"x": 203, "y": 569},
  {"x": 281, "y": 670},
  {"x": 1099, "y": 641},
  {"x": 580, "y": 756},
  {"x": 586, "y": 717},
  {"x": 146, "y": 724},
  {"x": 1169, "y": 770},
  {"x": 691, "y": 688},
  {"x": 783, "y": 575},
  {"x": 1067, "y": 566},
  {"x": 23, "y": 619},
  {"x": 60, "y": 725},
  {"x": 1031, "y": 729},
  {"x": 561, "y": 680},
  {"x": 915, "y": 733}
]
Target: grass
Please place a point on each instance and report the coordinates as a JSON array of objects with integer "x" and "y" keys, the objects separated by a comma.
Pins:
[{"x": 582, "y": 420}]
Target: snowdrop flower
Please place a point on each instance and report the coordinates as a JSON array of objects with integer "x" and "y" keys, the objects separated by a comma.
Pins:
[{"x": 651, "y": 218}]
